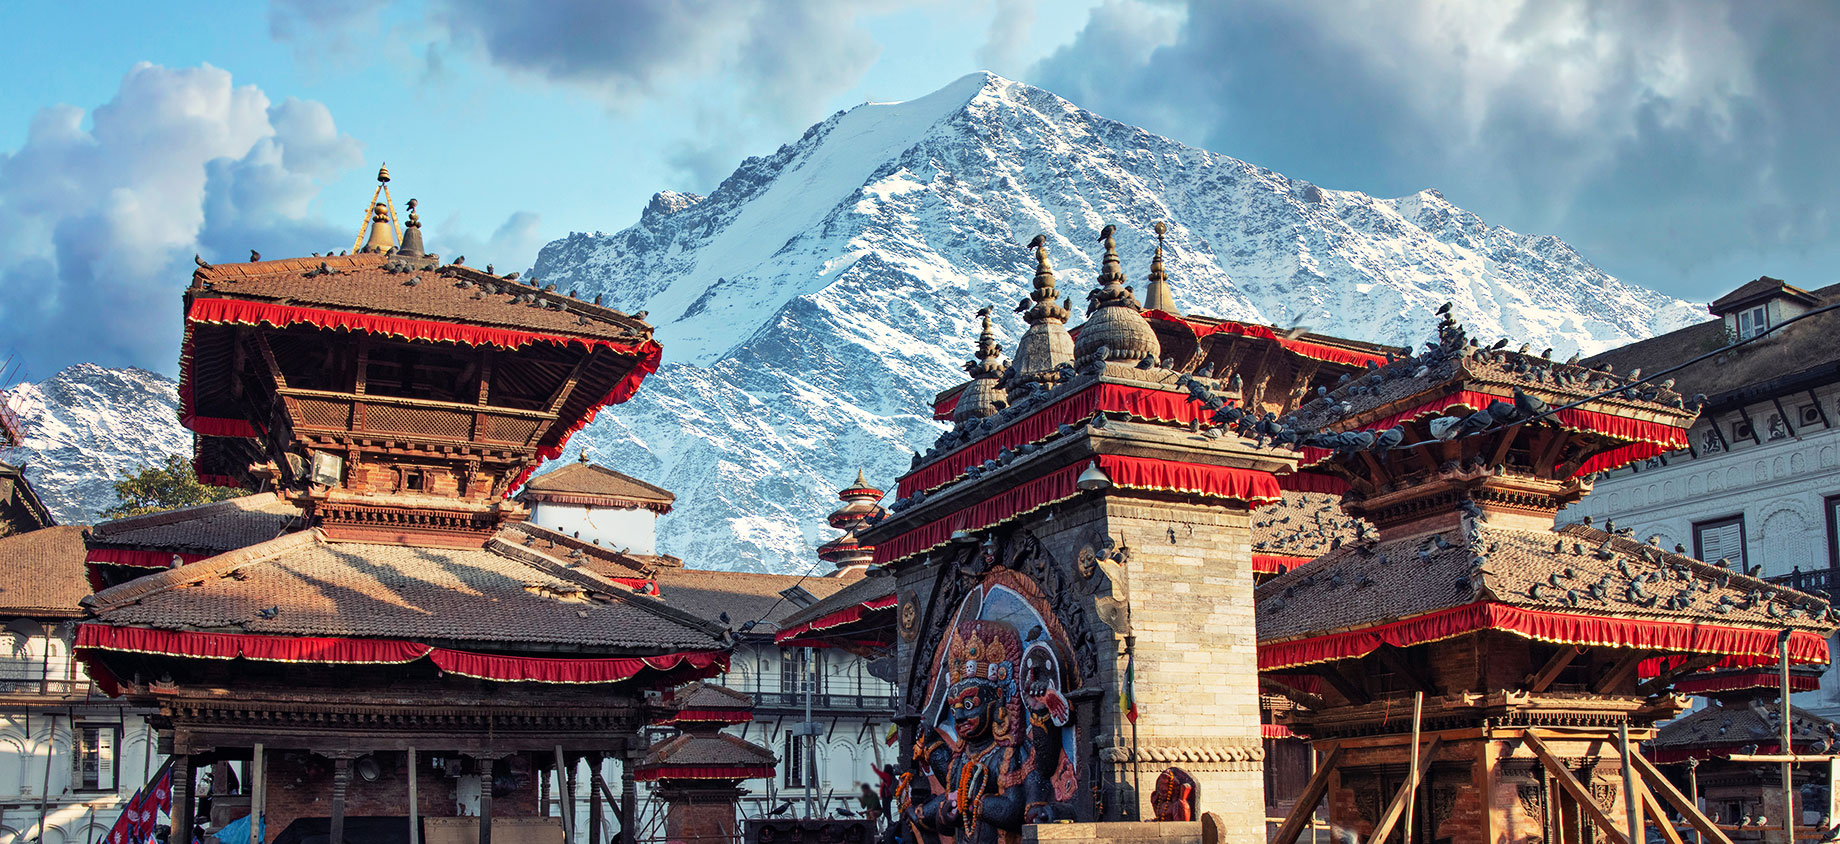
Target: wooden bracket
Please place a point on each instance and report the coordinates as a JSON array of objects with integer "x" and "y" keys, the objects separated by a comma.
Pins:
[
  {"x": 1579, "y": 794},
  {"x": 1541, "y": 680},
  {"x": 1618, "y": 673}
]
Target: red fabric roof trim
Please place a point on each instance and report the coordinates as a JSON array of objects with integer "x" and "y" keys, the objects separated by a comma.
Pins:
[
  {"x": 1315, "y": 351},
  {"x": 679, "y": 667},
  {"x": 847, "y": 615},
  {"x": 1252, "y": 487},
  {"x": 1643, "y": 439},
  {"x": 1731, "y": 682},
  {"x": 138, "y": 558},
  {"x": 1276, "y": 563},
  {"x": 1737, "y": 643},
  {"x": 702, "y": 772},
  {"x": 213, "y": 426},
  {"x": 1312, "y": 482},
  {"x": 943, "y": 408},
  {"x": 1139, "y": 402},
  {"x": 1276, "y": 731},
  {"x": 707, "y": 716}
]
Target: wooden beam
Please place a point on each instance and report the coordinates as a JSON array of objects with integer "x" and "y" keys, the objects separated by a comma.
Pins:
[
  {"x": 1397, "y": 809},
  {"x": 1825, "y": 423},
  {"x": 1579, "y": 794},
  {"x": 1539, "y": 681},
  {"x": 1618, "y": 673},
  {"x": 1661, "y": 819},
  {"x": 1342, "y": 685},
  {"x": 1656, "y": 684},
  {"x": 1305, "y": 807},
  {"x": 415, "y": 821},
  {"x": 567, "y": 386},
  {"x": 1652, "y": 778},
  {"x": 1784, "y": 413},
  {"x": 1390, "y": 655},
  {"x": 1293, "y": 694}
]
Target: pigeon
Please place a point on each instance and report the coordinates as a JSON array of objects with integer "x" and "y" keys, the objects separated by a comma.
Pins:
[
  {"x": 254, "y": 256},
  {"x": 271, "y": 612},
  {"x": 780, "y": 809},
  {"x": 460, "y": 260},
  {"x": 489, "y": 270},
  {"x": 723, "y": 617},
  {"x": 413, "y": 281},
  {"x": 508, "y": 277},
  {"x": 1149, "y": 361}
]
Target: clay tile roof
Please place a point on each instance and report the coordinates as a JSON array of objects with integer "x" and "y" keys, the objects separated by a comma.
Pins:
[
  {"x": 1360, "y": 586},
  {"x": 862, "y": 590},
  {"x": 42, "y": 573},
  {"x": 745, "y": 596},
  {"x": 375, "y": 283},
  {"x": 1740, "y": 724},
  {"x": 586, "y": 480},
  {"x": 1303, "y": 524},
  {"x": 203, "y": 529},
  {"x": 702, "y": 695},
  {"x": 1809, "y": 347},
  {"x": 504, "y": 594},
  {"x": 600, "y": 559},
  {"x": 719, "y": 750}
]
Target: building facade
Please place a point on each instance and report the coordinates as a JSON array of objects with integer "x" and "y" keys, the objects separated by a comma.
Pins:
[{"x": 1756, "y": 485}]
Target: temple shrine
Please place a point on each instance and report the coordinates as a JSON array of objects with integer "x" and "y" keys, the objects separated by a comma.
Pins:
[
  {"x": 380, "y": 634},
  {"x": 1073, "y": 568},
  {"x": 1469, "y": 673}
]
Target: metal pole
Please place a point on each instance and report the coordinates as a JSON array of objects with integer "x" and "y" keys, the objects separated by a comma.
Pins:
[
  {"x": 1629, "y": 785},
  {"x": 1693, "y": 786},
  {"x": 415, "y": 820},
  {"x": 1137, "y": 775},
  {"x": 811, "y": 740},
  {"x": 1788, "y": 747},
  {"x": 258, "y": 794}
]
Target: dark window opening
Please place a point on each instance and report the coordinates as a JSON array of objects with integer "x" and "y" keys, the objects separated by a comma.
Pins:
[{"x": 1720, "y": 539}]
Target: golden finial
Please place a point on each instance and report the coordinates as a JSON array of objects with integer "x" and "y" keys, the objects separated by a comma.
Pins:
[
  {"x": 383, "y": 174},
  {"x": 861, "y": 481},
  {"x": 1156, "y": 290},
  {"x": 378, "y": 232}
]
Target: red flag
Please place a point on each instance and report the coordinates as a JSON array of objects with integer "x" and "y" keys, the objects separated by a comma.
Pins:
[{"x": 126, "y": 826}]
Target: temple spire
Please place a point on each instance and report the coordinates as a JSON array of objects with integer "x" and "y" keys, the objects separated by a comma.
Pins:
[
  {"x": 1115, "y": 326},
  {"x": 1046, "y": 344},
  {"x": 412, "y": 235},
  {"x": 1156, "y": 293},
  {"x": 982, "y": 397},
  {"x": 380, "y": 219}
]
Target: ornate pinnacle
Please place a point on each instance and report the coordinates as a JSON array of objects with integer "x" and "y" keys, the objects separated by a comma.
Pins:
[
  {"x": 1111, "y": 290},
  {"x": 1156, "y": 291},
  {"x": 987, "y": 362},
  {"x": 1044, "y": 295}
]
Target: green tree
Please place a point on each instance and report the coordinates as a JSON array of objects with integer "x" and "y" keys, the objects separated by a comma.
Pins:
[{"x": 163, "y": 486}]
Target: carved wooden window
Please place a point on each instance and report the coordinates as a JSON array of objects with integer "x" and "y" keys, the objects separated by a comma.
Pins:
[{"x": 412, "y": 480}]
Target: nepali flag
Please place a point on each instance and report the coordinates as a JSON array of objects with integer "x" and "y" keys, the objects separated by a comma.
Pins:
[
  {"x": 1127, "y": 702},
  {"x": 142, "y": 813},
  {"x": 124, "y": 830}
]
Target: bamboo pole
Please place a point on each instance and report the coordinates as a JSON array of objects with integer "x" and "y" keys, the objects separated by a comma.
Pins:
[{"x": 1418, "y": 719}]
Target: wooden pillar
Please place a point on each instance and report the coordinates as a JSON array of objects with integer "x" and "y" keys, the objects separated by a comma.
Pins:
[
  {"x": 341, "y": 780},
  {"x": 485, "y": 800},
  {"x": 565, "y": 780},
  {"x": 258, "y": 795},
  {"x": 415, "y": 820},
  {"x": 629, "y": 800},
  {"x": 182, "y": 802},
  {"x": 594, "y": 799}
]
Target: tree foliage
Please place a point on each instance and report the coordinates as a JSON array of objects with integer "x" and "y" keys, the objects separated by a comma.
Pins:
[{"x": 163, "y": 486}]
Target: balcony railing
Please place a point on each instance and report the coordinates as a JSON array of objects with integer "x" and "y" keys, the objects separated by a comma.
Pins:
[
  {"x": 1817, "y": 582},
  {"x": 825, "y": 701}
]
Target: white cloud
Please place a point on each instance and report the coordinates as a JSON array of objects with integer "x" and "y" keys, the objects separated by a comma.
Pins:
[{"x": 98, "y": 225}]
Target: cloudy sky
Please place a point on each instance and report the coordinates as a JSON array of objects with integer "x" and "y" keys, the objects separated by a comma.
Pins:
[{"x": 1683, "y": 147}]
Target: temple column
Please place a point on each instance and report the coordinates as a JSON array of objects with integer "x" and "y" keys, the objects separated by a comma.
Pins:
[
  {"x": 594, "y": 799},
  {"x": 629, "y": 800},
  {"x": 485, "y": 799},
  {"x": 182, "y": 800},
  {"x": 341, "y": 781}
]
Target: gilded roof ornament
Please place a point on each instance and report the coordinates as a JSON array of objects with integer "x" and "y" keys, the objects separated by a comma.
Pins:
[{"x": 1157, "y": 296}]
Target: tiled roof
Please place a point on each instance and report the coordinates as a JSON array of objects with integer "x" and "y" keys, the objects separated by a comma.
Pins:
[
  {"x": 503, "y": 593},
  {"x": 375, "y": 283},
  {"x": 42, "y": 573},
  {"x": 1761, "y": 287},
  {"x": 604, "y": 561},
  {"x": 1302, "y": 524},
  {"x": 720, "y": 749},
  {"x": 1809, "y": 346},
  {"x": 745, "y": 596},
  {"x": 705, "y": 695},
  {"x": 861, "y": 590},
  {"x": 1367, "y": 584},
  {"x": 1741, "y": 723},
  {"x": 583, "y": 478},
  {"x": 203, "y": 529}
]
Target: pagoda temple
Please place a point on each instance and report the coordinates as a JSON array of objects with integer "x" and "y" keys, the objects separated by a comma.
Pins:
[
  {"x": 1073, "y": 566},
  {"x": 381, "y": 635},
  {"x": 1469, "y": 673},
  {"x": 699, "y": 771},
  {"x": 859, "y": 508}
]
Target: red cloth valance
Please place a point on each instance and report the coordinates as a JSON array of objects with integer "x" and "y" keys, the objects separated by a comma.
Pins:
[
  {"x": 847, "y": 615},
  {"x": 1276, "y": 731},
  {"x": 702, "y": 772},
  {"x": 1139, "y": 402},
  {"x": 139, "y": 558},
  {"x": 1276, "y": 564},
  {"x": 1315, "y": 351},
  {"x": 1312, "y": 481},
  {"x": 1544, "y": 626},
  {"x": 708, "y": 716},
  {"x": 548, "y": 670},
  {"x": 1731, "y": 681},
  {"x": 679, "y": 667},
  {"x": 213, "y": 426},
  {"x": 1643, "y": 439},
  {"x": 942, "y": 408},
  {"x": 1252, "y": 487}
]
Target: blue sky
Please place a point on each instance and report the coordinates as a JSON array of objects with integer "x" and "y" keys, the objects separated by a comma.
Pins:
[{"x": 1683, "y": 147}]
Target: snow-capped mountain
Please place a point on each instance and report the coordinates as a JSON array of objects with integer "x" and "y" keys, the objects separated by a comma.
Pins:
[
  {"x": 814, "y": 302},
  {"x": 86, "y": 425},
  {"x": 812, "y": 305}
]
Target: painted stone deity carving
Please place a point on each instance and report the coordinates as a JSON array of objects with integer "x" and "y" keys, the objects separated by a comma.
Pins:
[{"x": 997, "y": 749}]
